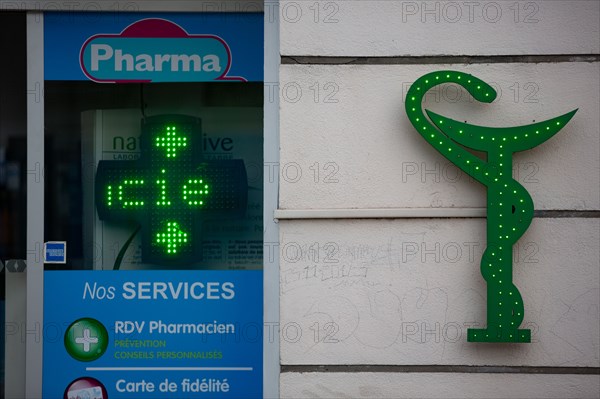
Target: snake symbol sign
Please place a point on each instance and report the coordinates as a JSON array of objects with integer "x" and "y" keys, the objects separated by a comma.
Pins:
[{"x": 509, "y": 205}]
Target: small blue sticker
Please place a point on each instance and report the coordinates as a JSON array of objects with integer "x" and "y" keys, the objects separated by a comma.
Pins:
[{"x": 55, "y": 252}]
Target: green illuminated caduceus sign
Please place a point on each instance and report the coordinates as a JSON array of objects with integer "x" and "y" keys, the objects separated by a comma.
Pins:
[
  {"x": 509, "y": 205},
  {"x": 170, "y": 190}
]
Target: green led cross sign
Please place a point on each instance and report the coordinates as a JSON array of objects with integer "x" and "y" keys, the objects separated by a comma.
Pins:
[
  {"x": 509, "y": 205},
  {"x": 170, "y": 190}
]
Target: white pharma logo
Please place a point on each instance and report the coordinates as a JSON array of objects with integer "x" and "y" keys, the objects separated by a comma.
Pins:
[
  {"x": 147, "y": 62},
  {"x": 156, "y": 50},
  {"x": 102, "y": 53}
]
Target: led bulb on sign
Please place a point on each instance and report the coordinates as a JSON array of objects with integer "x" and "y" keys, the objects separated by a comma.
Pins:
[
  {"x": 170, "y": 190},
  {"x": 509, "y": 205}
]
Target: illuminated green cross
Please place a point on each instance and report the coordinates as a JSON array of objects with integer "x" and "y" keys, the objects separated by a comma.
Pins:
[
  {"x": 170, "y": 190},
  {"x": 173, "y": 238},
  {"x": 171, "y": 141}
]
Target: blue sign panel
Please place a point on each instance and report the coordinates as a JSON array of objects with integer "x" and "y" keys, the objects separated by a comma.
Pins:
[
  {"x": 150, "y": 47},
  {"x": 55, "y": 252},
  {"x": 152, "y": 334}
]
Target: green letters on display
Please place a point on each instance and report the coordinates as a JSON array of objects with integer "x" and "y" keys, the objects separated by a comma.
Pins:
[
  {"x": 171, "y": 190},
  {"x": 509, "y": 205}
]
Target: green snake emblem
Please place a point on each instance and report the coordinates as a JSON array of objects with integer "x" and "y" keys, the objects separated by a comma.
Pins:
[{"x": 509, "y": 205}]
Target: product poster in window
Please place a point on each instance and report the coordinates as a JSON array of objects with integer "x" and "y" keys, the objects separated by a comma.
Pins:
[{"x": 159, "y": 122}]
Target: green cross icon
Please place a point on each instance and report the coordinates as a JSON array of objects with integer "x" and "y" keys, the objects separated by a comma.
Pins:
[
  {"x": 171, "y": 190},
  {"x": 86, "y": 339},
  {"x": 172, "y": 140}
]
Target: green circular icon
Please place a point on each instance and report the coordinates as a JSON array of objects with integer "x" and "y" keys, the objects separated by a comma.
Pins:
[{"x": 86, "y": 339}]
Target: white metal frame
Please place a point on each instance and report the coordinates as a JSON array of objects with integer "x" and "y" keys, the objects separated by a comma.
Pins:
[
  {"x": 35, "y": 205},
  {"x": 271, "y": 364}
]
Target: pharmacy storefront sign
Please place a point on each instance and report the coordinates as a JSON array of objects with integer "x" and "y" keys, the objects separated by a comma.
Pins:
[
  {"x": 167, "y": 299},
  {"x": 156, "y": 50}
]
